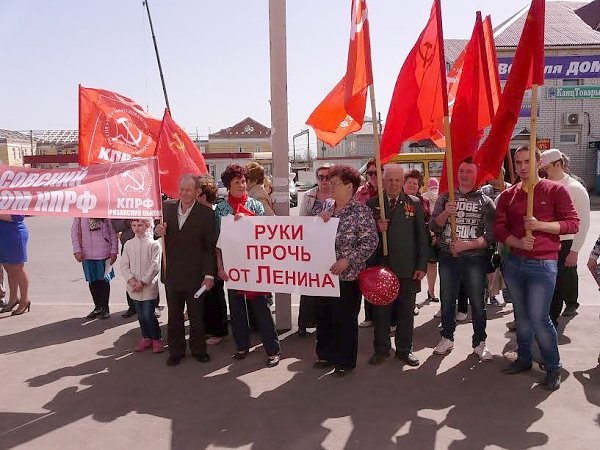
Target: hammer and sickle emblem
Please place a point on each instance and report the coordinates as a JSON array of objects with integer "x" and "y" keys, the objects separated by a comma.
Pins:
[
  {"x": 133, "y": 183},
  {"x": 426, "y": 57},
  {"x": 179, "y": 143}
]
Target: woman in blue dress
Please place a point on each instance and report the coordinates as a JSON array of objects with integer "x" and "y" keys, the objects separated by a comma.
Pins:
[{"x": 13, "y": 255}]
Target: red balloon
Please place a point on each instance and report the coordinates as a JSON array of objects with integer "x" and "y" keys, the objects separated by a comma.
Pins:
[{"x": 379, "y": 285}]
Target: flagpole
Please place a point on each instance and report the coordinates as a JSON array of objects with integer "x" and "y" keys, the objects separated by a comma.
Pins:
[
  {"x": 378, "y": 165},
  {"x": 450, "y": 174},
  {"x": 162, "y": 78},
  {"x": 532, "y": 147},
  {"x": 511, "y": 167}
]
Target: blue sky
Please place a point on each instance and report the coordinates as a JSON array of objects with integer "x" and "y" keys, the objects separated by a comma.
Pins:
[{"x": 215, "y": 54}]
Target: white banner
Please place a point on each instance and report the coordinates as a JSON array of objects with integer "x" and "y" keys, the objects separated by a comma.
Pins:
[{"x": 280, "y": 254}]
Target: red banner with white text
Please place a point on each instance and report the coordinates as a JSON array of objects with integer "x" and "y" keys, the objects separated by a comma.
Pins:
[{"x": 122, "y": 190}]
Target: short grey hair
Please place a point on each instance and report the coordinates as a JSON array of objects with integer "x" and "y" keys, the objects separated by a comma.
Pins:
[
  {"x": 393, "y": 169},
  {"x": 190, "y": 177}
]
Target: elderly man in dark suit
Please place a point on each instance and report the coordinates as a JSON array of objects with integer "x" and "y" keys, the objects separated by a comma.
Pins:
[
  {"x": 408, "y": 247},
  {"x": 190, "y": 237}
]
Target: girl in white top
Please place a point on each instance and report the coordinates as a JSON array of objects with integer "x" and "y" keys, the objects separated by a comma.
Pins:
[{"x": 140, "y": 265}]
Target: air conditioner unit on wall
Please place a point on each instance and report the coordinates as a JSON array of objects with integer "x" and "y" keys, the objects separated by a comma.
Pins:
[{"x": 572, "y": 119}]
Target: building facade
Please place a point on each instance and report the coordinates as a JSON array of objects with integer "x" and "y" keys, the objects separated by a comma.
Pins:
[{"x": 14, "y": 146}]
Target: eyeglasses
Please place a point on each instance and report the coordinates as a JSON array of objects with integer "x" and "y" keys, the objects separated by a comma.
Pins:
[
  {"x": 335, "y": 183},
  {"x": 323, "y": 177},
  {"x": 371, "y": 173}
]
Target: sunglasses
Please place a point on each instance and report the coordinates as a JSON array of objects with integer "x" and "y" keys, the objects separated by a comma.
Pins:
[
  {"x": 371, "y": 173},
  {"x": 323, "y": 177}
]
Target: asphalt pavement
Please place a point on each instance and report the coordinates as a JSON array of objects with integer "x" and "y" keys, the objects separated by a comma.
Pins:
[{"x": 71, "y": 383}]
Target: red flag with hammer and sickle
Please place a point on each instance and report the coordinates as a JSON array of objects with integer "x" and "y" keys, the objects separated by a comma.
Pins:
[
  {"x": 177, "y": 156},
  {"x": 420, "y": 99}
]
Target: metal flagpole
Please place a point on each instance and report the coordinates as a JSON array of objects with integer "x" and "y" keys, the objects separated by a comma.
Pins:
[{"x": 162, "y": 78}]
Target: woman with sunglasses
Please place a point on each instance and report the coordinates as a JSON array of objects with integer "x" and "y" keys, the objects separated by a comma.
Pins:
[{"x": 313, "y": 202}]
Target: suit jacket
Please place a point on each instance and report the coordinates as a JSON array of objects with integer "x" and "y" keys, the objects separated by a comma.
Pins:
[
  {"x": 407, "y": 235},
  {"x": 190, "y": 252}
]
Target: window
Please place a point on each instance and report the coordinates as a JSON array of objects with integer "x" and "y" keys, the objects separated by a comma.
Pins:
[
  {"x": 435, "y": 168},
  {"x": 573, "y": 82},
  {"x": 569, "y": 138}
]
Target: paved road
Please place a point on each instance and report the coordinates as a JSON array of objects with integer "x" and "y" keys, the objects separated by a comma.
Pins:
[{"x": 69, "y": 383}]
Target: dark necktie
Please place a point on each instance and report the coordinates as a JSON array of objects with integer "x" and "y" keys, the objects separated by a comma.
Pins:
[{"x": 393, "y": 203}]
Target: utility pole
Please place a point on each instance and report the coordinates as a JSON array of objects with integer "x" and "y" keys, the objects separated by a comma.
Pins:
[
  {"x": 279, "y": 134},
  {"x": 162, "y": 78}
]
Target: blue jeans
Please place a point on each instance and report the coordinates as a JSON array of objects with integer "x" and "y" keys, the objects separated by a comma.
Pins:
[
  {"x": 240, "y": 325},
  {"x": 147, "y": 319},
  {"x": 470, "y": 271},
  {"x": 531, "y": 283}
]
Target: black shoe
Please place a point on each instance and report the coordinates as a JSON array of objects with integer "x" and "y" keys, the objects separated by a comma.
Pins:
[
  {"x": 322, "y": 364},
  {"x": 239, "y": 355},
  {"x": 105, "y": 314},
  {"x": 552, "y": 380},
  {"x": 517, "y": 367},
  {"x": 174, "y": 360},
  {"x": 95, "y": 313},
  {"x": 376, "y": 359},
  {"x": 202, "y": 358},
  {"x": 431, "y": 298},
  {"x": 128, "y": 313},
  {"x": 340, "y": 372},
  {"x": 570, "y": 311},
  {"x": 302, "y": 332},
  {"x": 408, "y": 358}
]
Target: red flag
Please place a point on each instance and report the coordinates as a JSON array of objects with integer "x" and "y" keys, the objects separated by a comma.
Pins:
[
  {"x": 177, "y": 155},
  {"x": 420, "y": 99},
  {"x": 527, "y": 69},
  {"x": 113, "y": 128},
  {"x": 473, "y": 109},
  {"x": 343, "y": 110},
  {"x": 492, "y": 62},
  {"x": 359, "y": 73}
]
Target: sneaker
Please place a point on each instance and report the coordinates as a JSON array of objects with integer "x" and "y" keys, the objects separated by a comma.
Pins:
[
  {"x": 445, "y": 346},
  {"x": 157, "y": 313},
  {"x": 214, "y": 340},
  {"x": 438, "y": 314},
  {"x": 273, "y": 360},
  {"x": 366, "y": 324},
  {"x": 552, "y": 380},
  {"x": 511, "y": 355},
  {"x": 143, "y": 344},
  {"x": 461, "y": 316},
  {"x": 432, "y": 298},
  {"x": 482, "y": 351},
  {"x": 157, "y": 346}
]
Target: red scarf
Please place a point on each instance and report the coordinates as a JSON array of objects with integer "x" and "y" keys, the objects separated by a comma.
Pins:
[{"x": 238, "y": 204}]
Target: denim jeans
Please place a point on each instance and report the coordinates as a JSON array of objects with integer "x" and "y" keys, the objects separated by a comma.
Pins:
[
  {"x": 147, "y": 319},
  {"x": 240, "y": 324},
  {"x": 470, "y": 271},
  {"x": 531, "y": 283}
]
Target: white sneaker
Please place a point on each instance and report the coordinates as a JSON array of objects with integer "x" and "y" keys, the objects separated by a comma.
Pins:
[
  {"x": 482, "y": 351},
  {"x": 461, "y": 317},
  {"x": 438, "y": 314},
  {"x": 366, "y": 324},
  {"x": 444, "y": 346}
]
